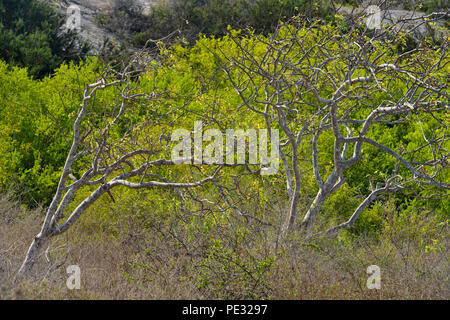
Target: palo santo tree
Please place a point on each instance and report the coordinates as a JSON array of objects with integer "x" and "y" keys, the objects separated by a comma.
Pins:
[
  {"x": 113, "y": 151},
  {"x": 316, "y": 81}
]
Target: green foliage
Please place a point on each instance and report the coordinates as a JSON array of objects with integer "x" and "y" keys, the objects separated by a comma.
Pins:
[
  {"x": 430, "y": 6},
  {"x": 31, "y": 36},
  {"x": 415, "y": 225},
  {"x": 222, "y": 254},
  {"x": 37, "y": 118},
  {"x": 38, "y": 115},
  {"x": 208, "y": 17}
]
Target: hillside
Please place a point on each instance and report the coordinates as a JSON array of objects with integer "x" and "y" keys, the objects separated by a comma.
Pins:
[{"x": 97, "y": 32}]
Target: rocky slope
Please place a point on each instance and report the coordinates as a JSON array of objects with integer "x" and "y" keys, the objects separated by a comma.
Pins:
[
  {"x": 411, "y": 19},
  {"x": 89, "y": 9}
]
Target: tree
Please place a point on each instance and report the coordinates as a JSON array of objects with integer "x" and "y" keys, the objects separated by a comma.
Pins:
[
  {"x": 113, "y": 150},
  {"x": 328, "y": 89},
  {"x": 348, "y": 84}
]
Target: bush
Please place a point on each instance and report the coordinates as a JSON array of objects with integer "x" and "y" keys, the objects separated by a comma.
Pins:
[
  {"x": 430, "y": 6},
  {"x": 31, "y": 36},
  {"x": 208, "y": 17},
  {"x": 37, "y": 117}
]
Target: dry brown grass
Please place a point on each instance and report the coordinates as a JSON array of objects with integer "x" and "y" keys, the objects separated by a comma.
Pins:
[{"x": 165, "y": 261}]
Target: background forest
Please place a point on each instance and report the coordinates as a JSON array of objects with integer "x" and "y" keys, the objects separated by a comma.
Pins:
[{"x": 232, "y": 237}]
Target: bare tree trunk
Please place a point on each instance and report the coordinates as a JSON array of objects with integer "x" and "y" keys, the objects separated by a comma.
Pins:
[
  {"x": 292, "y": 214},
  {"x": 314, "y": 209},
  {"x": 32, "y": 254},
  {"x": 295, "y": 195}
]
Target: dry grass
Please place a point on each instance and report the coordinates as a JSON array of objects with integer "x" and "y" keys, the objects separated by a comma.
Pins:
[{"x": 165, "y": 261}]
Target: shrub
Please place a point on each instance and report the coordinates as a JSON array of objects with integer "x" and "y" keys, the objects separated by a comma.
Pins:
[
  {"x": 208, "y": 17},
  {"x": 31, "y": 36}
]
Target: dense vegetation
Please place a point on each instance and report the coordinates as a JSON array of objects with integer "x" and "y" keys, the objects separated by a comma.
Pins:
[
  {"x": 186, "y": 19},
  {"x": 32, "y": 36},
  {"x": 163, "y": 243}
]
